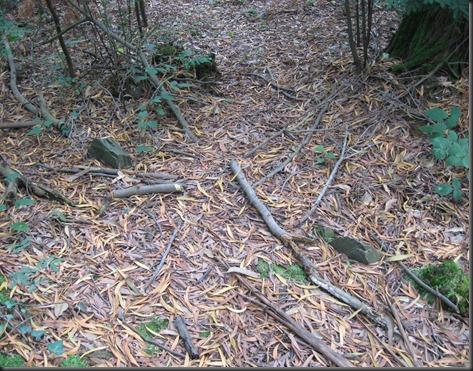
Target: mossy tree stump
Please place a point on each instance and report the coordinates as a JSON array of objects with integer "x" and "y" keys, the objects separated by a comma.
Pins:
[{"x": 429, "y": 37}]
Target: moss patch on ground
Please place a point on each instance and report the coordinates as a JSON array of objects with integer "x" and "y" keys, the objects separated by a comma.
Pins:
[
  {"x": 290, "y": 272},
  {"x": 13, "y": 360},
  {"x": 449, "y": 279},
  {"x": 147, "y": 329},
  {"x": 74, "y": 361}
]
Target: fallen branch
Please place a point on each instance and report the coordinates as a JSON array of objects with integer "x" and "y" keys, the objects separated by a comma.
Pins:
[
  {"x": 421, "y": 283},
  {"x": 14, "y": 180},
  {"x": 184, "y": 334},
  {"x": 16, "y": 125},
  {"x": 146, "y": 189},
  {"x": 289, "y": 241},
  {"x": 311, "y": 338},
  {"x": 167, "y": 97},
  {"x": 407, "y": 343},
  {"x": 109, "y": 171},
  {"x": 161, "y": 263},
  {"x": 60, "y": 125},
  {"x": 301, "y": 145},
  {"x": 328, "y": 183}
]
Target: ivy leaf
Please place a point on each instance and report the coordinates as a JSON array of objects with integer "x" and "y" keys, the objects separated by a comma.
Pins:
[
  {"x": 38, "y": 334},
  {"x": 144, "y": 149},
  {"x": 160, "y": 111},
  {"x": 319, "y": 148},
  {"x": 20, "y": 246},
  {"x": 441, "y": 147},
  {"x": 142, "y": 114},
  {"x": 35, "y": 131},
  {"x": 140, "y": 78},
  {"x": 434, "y": 130},
  {"x": 148, "y": 125},
  {"x": 151, "y": 70},
  {"x": 57, "y": 347},
  {"x": 457, "y": 192},
  {"x": 25, "y": 201},
  {"x": 58, "y": 215},
  {"x": 3, "y": 207},
  {"x": 20, "y": 227},
  {"x": 166, "y": 96},
  {"x": 452, "y": 121},
  {"x": 24, "y": 329},
  {"x": 156, "y": 100},
  {"x": 9, "y": 303},
  {"x": 436, "y": 114},
  {"x": 330, "y": 155},
  {"x": 320, "y": 160},
  {"x": 443, "y": 189}
]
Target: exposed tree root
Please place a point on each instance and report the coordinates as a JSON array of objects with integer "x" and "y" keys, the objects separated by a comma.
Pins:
[
  {"x": 63, "y": 128},
  {"x": 14, "y": 180},
  {"x": 145, "y": 189},
  {"x": 4, "y": 125}
]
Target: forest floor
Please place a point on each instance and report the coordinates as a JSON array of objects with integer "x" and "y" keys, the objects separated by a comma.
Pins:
[{"x": 384, "y": 187}]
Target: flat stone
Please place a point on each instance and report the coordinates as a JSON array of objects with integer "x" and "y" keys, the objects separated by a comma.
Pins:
[
  {"x": 109, "y": 153},
  {"x": 355, "y": 250}
]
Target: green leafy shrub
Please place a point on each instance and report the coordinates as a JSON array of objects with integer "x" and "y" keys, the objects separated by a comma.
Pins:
[
  {"x": 449, "y": 280},
  {"x": 447, "y": 146},
  {"x": 323, "y": 156},
  {"x": 13, "y": 360}
]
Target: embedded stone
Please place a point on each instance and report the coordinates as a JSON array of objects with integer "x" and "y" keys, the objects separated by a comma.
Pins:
[{"x": 109, "y": 153}]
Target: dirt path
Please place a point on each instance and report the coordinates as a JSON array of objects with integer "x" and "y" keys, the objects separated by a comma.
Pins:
[{"x": 107, "y": 258}]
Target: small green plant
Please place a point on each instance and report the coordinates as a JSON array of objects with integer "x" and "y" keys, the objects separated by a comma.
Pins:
[
  {"x": 13, "y": 360},
  {"x": 204, "y": 334},
  {"x": 449, "y": 279},
  {"x": 74, "y": 361},
  {"x": 142, "y": 148},
  {"x": 146, "y": 330},
  {"x": 447, "y": 146},
  {"x": 323, "y": 155},
  {"x": 290, "y": 272},
  {"x": 56, "y": 347}
]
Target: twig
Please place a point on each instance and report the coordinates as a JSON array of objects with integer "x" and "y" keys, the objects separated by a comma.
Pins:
[
  {"x": 328, "y": 183},
  {"x": 145, "y": 189},
  {"x": 300, "y": 146},
  {"x": 312, "y": 339},
  {"x": 161, "y": 263},
  {"x": 309, "y": 268},
  {"x": 421, "y": 283},
  {"x": 403, "y": 333},
  {"x": 75, "y": 24},
  {"x": 184, "y": 334}
]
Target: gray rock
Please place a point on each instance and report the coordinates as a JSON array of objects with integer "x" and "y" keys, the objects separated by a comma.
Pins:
[
  {"x": 109, "y": 153},
  {"x": 355, "y": 250}
]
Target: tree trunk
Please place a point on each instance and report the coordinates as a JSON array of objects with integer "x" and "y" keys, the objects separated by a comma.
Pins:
[{"x": 429, "y": 37}]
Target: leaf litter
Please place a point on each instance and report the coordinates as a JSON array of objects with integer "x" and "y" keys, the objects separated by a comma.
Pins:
[{"x": 108, "y": 254}]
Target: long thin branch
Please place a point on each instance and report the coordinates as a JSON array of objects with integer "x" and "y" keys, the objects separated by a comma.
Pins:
[
  {"x": 288, "y": 241},
  {"x": 65, "y": 30},
  {"x": 328, "y": 183},
  {"x": 163, "y": 258},
  {"x": 312, "y": 339},
  {"x": 167, "y": 97},
  {"x": 16, "y": 125},
  {"x": 300, "y": 146},
  {"x": 146, "y": 189}
]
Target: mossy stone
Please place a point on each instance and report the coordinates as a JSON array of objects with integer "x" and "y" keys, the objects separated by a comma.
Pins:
[
  {"x": 109, "y": 153},
  {"x": 356, "y": 250}
]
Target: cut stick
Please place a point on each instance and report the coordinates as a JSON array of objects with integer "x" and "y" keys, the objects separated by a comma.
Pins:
[
  {"x": 284, "y": 91},
  {"x": 309, "y": 268},
  {"x": 312, "y": 339},
  {"x": 146, "y": 189},
  {"x": 328, "y": 183},
  {"x": 186, "y": 338},
  {"x": 300, "y": 146},
  {"x": 167, "y": 97}
]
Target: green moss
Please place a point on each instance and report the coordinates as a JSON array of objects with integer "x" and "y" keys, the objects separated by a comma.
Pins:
[
  {"x": 263, "y": 268},
  {"x": 156, "y": 325},
  {"x": 13, "y": 360},
  {"x": 291, "y": 272},
  {"x": 74, "y": 361},
  {"x": 204, "y": 334},
  {"x": 449, "y": 280}
]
